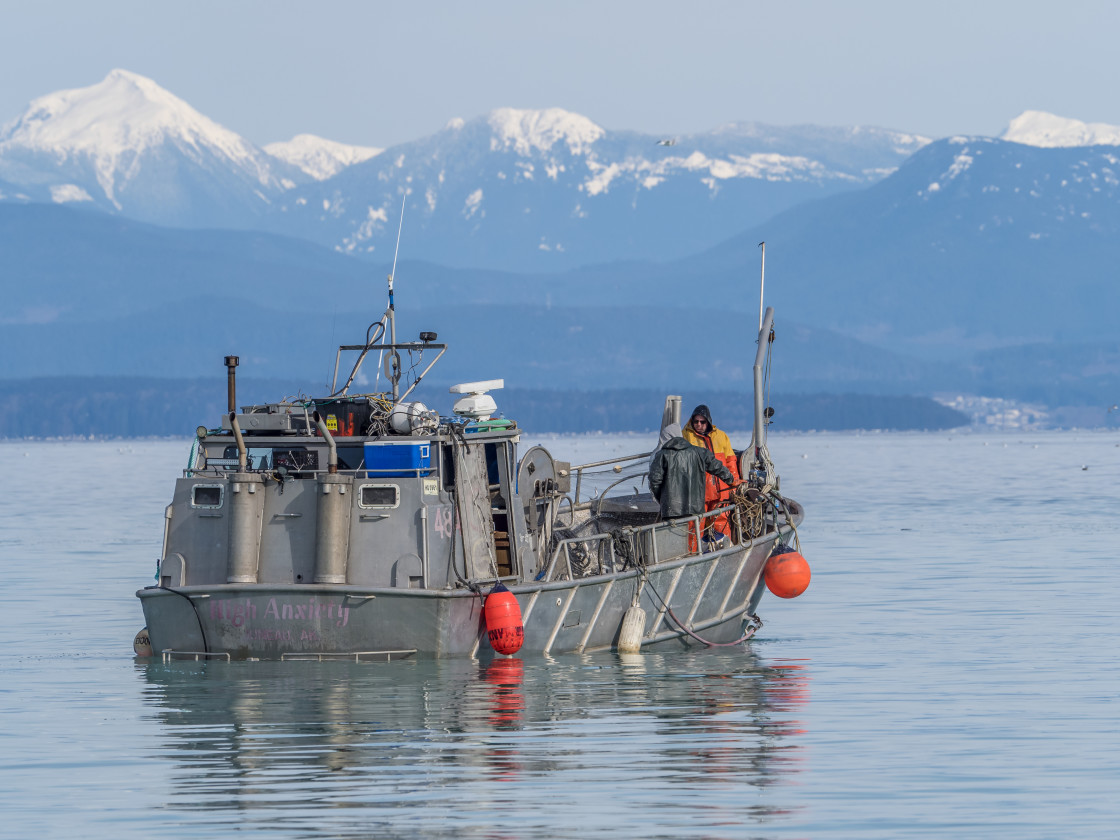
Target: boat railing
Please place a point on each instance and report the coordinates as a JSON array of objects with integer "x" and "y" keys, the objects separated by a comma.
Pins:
[
  {"x": 347, "y": 656},
  {"x": 221, "y": 469},
  {"x": 611, "y": 467},
  {"x": 643, "y": 540}
]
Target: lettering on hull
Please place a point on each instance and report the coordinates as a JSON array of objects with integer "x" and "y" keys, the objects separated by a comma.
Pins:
[{"x": 241, "y": 611}]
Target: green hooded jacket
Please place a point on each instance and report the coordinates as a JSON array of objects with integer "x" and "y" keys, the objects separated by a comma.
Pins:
[{"x": 677, "y": 477}]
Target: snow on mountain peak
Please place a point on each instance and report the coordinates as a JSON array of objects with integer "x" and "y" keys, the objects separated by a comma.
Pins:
[
  {"x": 117, "y": 119},
  {"x": 320, "y": 158},
  {"x": 124, "y": 111},
  {"x": 1038, "y": 128},
  {"x": 525, "y": 130}
]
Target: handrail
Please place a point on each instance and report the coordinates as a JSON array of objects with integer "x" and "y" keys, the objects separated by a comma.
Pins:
[
  {"x": 613, "y": 461},
  {"x": 599, "y": 536},
  {"x": 370, "y": 472},
  {"x": 169, "y": 654},
  {"x": 354, "y": 655},
  {"x": 578, "y": 470}
]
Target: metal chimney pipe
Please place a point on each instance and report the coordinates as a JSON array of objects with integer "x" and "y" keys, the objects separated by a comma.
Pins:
[
  {"x": 332, "y": 451},
  {"x": 242, "y": 452},
  {"x": 231, "y": 382}
]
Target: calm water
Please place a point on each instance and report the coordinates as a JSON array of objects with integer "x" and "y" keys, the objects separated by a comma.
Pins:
[{"x": 952, "y": 671}]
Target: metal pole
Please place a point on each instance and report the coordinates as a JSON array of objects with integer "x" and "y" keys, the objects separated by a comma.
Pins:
[
  {"x": 762, "y": 285},
  {"x": 760, "y": 357}
]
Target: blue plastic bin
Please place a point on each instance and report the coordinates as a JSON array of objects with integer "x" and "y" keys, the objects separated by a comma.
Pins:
[{"x": 398, "y": 459}]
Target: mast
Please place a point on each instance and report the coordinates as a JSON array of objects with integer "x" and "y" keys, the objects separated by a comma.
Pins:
[
  {"x": 762, "y": 285},
  {"x": 758, "y": 444},
  {"x": 760, "y": 463}
]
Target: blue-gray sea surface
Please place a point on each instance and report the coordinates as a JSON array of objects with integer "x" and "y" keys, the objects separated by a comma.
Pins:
[{"x": 952, "y": 671}]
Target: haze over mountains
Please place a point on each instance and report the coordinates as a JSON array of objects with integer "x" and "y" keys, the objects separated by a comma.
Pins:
[{"x": 580, "y": 257}]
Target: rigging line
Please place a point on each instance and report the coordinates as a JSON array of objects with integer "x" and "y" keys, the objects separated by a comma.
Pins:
[
  {"x": 766, "y": 378},
  {"x": 789, "y": 519},
  {"x": 756, "y": 622},
  {"x": 197, "y": 617},
  {"x": 334, "y": 326},
  {"x": 362, "y": 355}
]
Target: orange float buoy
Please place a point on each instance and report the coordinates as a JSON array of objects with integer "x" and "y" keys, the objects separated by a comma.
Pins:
[
  {"x": 787, "y": 572},
  {"x": 503, "y": 620}
]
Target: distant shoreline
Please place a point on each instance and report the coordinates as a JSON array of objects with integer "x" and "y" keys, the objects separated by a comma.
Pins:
[{"x": 115, "y": 408}]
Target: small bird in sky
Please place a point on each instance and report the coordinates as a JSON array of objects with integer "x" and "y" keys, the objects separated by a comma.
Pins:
[
  {"x": 668, "y": 141},
  {"x": 1112, "y": 409}
]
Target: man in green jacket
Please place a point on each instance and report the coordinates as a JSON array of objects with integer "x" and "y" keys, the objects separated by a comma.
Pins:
[{"x": 676, "y": 475}]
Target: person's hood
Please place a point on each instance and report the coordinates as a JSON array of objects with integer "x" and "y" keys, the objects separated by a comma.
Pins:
[
  {"x": 671, "y": 431},
  {"x": 702, "y": 410},
  {"x": 676, "y": 443}
]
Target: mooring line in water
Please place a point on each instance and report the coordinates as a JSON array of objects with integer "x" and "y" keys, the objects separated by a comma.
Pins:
[
  {"x": 197, "y": 617},
  {"x": 755, "y": 625}
]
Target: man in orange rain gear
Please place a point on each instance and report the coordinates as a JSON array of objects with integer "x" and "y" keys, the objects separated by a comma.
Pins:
[{"x": 701, "y": 432}]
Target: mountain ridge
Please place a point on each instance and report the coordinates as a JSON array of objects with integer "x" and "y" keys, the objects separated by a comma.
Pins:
[{"x": 514, "y": 189}]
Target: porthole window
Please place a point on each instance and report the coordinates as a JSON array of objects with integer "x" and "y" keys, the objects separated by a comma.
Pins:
[
  {"x": 208, "y": 496},
  {"x": 379, "y": 496}
]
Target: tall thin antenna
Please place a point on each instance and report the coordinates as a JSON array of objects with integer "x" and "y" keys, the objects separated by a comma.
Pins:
[
  {"x": 762, "y": 286},
  {"x": 392, "y": 307},
  {"x": 391, "y": 312}
]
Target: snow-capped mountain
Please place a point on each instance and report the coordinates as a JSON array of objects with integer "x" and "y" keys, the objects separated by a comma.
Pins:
[
  {"x": 547, "y": 189},
  {"x": 973, "y": 243},
  {"x": 1038, "y": 128},
  {"x": 318, "y": 157},
  {"x": 127, "y": 145},
  {"x": 513, "y": 189}
]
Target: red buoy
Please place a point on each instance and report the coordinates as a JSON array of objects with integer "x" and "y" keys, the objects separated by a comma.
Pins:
[
  {"x": 787, "y": 572},
  {"x": 503, "y": 620}
]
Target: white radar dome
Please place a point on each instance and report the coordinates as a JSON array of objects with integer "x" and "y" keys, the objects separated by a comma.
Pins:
[{"x": 477, "y": 404}]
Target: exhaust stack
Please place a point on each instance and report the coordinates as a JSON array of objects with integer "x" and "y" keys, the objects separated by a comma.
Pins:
[{"x": 231, "y": 382}]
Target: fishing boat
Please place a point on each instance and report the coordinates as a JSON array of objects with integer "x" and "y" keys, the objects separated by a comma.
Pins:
[{"x": 369, "y": 526}]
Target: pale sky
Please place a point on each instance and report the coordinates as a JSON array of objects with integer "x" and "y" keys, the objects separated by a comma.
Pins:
[{"x": 377, "y": 74}]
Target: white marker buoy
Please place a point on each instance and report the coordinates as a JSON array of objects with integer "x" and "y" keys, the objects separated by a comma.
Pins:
[{"x": 141, "y": 644}]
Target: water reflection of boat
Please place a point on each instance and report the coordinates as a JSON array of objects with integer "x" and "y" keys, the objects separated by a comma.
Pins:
[
  {"x": 365, "y": 526},
  {"x": 424, "y": 734}
]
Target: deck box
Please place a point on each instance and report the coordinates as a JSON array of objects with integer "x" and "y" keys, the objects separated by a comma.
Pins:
[{"x": 398, "y": 459}]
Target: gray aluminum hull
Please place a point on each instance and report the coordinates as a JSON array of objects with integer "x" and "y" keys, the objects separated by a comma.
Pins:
[{"x": 712, "y": 594}]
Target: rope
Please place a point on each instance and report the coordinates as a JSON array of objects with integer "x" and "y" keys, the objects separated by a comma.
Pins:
[
  {"x": 361, "y": 357},
  {"x": 747, "y": 515},
  {"x": 754, "y": 625},
  {"x": 774, "y": 499},
  {"x": 751, "y": 510},
  {"x": 194, "y": 609},
  {"x": 192, "y": 458}
]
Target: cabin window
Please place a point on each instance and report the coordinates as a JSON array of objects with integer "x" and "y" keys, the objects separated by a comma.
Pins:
[
  {"x": 351, "y": 457},
  {"x": 207, "y": 496},
  {"x": 379, "y": 496},
  {"x": 296, "y": 459},
  {"x": 258, "y": 459}
]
